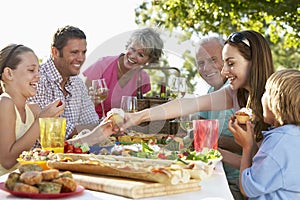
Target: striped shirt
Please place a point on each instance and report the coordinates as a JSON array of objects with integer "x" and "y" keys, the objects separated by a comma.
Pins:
[{"x": 79, "y": 108}]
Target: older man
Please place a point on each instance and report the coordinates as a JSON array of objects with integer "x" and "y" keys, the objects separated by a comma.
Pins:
[{"x": 210, "y": 64}]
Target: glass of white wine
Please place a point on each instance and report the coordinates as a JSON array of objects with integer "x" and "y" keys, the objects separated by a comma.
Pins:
[
  {"x": 186, "y": 124},
  {"x": 182, "y": 88},
  {"x": 178, "y": 87},
  {"x": 129, "y": 105},
  {"x": 174, "y": 87},
  {"x": 100, "y": 93}
]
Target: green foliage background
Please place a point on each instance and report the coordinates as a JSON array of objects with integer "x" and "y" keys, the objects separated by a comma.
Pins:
[{"x": 277, "y": 20}]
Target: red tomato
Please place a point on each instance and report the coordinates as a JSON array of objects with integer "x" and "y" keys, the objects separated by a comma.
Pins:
[
  {"x": 70, "y": 148},
  {"x": 152, "y": 142},
  {"x": 69, "y": 151},
  {"x": 59, "y": 103},
  {"x": 185, "y": 153},
  {"x": 66, "y": 144},
  {"x": 44, "y": 153},
  {"x": 161, "y": 156},
  {"x": 77, "y": 150}
]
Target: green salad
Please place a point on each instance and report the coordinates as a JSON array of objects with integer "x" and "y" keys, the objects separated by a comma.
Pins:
[{"x": 185, "y": 156}]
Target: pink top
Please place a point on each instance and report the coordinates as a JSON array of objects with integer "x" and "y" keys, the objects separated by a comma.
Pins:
[{"x": 107, "y": 67}]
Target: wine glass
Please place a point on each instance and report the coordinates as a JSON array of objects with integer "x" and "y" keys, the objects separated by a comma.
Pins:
[
  {"x": 129, "y": 104},
  {"x": 182, "y": 87},
  {"x": 174, "y": 87},
  {"x": 186, "y": 123},
  {"x": 177, "y": 86},
  {"x": 100, "y": 93}
]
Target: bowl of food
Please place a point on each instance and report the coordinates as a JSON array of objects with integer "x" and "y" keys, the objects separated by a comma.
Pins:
[
  {"x": 36, "y": 156},
  {"x": 203, "y": 162},
  {"x": 42, "y": 164}
]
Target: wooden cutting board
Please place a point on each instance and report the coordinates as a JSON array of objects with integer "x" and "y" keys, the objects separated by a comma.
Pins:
[{"x": 132, "y": 188}]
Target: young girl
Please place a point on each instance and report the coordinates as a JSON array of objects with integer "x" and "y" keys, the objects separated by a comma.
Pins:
[
  {"x": 19, "y": 121},
  {"x": 274, "y": 171}
]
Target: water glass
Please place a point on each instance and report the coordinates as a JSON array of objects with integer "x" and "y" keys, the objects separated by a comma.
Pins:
[{"x": 129, "y": 104}]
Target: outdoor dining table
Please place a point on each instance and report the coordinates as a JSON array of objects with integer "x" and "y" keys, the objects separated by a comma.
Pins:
[{"x": 214, "y": 187}]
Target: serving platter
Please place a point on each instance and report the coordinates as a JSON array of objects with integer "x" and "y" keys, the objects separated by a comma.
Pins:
[
  {"x": 133, "y": 188},
  {"x": 78, "y": 190}
]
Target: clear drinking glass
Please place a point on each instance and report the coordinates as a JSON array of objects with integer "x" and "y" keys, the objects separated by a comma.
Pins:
[
  {"x": 174, "y": 87},
  {"x": 100, "y": 93},
  {"x": 186, "y": 124},
  {"x": 177, "y": 86},
  {"x": 182, "y": 87},
  {"x": 129, "y": 104}
]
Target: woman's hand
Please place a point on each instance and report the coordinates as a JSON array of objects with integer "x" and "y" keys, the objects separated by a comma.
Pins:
[
  {"x": 97, "y": 135},
  {"x": 132, "y": 119},
  {"x": 53, "y": 109},
  {"x": 107, "y": 128}
]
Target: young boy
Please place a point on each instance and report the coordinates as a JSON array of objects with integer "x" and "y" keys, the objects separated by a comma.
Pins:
[{"x": 274, "y": 171}]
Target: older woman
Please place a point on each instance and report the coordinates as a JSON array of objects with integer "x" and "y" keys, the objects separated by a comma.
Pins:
[{"x": 121, "y": 72}]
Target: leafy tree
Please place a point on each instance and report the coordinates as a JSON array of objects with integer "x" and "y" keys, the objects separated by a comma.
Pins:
[{"x": 278, "y": 20}]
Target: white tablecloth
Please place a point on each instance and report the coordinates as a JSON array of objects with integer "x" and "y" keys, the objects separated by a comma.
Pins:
[{"x": 213, "y": 188}]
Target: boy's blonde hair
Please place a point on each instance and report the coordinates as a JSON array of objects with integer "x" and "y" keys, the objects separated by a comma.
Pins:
[{"x": 283, "y": 89}]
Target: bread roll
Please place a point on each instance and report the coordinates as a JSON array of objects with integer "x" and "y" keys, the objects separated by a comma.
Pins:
[
  {"x": 50, "y": 174},
  {"x": 29, "y": 167},
  {"x": 68, "y": 184},
  {"x": 116, "y": 115},
  {"x": 12, "y": 179},
  {"x": 46, "y": 187},
  {"x": 22, "y": 187},
  {"x": 31, "y": 177}
]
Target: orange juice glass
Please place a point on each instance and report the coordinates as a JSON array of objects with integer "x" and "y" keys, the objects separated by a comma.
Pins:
[{"x": 52, "y": 133}]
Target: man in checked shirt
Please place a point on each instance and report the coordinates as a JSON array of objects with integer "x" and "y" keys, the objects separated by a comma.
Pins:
[{"x": 60, "y": 80}]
